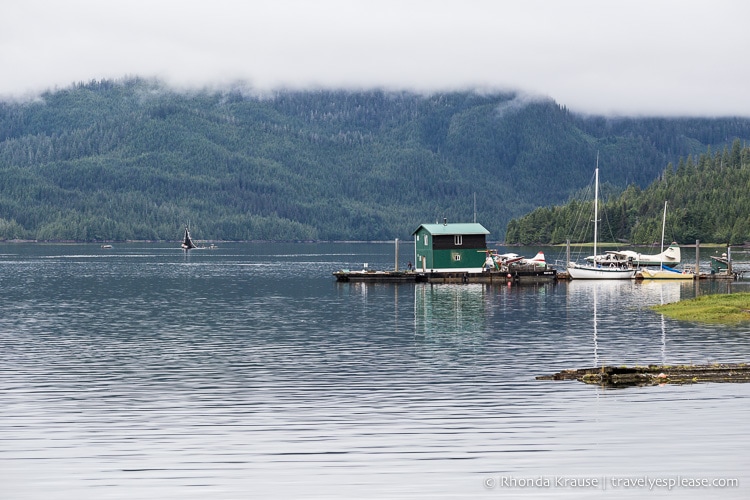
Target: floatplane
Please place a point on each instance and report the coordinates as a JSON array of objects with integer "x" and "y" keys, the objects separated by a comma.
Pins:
[
  {"x": 669, "y": 257},
  {"x": 504, "y": 260}
]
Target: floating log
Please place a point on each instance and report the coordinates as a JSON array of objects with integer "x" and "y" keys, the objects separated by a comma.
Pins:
[{"x": 623, "y": 376}]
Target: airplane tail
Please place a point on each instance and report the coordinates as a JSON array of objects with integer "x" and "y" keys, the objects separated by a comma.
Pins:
[{"x": 539, "y": 258}]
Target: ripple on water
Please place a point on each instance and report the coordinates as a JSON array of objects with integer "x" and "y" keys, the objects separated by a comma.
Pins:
[{"x": 154, "y": 375}]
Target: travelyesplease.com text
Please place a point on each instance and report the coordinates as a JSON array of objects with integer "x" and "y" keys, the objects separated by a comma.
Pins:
[{"x": 609, "y": 482}]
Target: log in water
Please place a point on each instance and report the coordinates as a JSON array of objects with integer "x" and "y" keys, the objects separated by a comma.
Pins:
[{"x": 624, "y": 376}]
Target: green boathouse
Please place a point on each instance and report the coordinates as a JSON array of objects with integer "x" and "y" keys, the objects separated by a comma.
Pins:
[{"x": 450, "y": 247}]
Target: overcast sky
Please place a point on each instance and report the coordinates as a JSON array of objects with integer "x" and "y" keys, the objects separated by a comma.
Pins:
[{"x": 633, "y": 57}]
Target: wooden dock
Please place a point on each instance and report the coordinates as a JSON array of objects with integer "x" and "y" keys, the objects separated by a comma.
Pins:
[
  {"x": 520, "y": 276},
  {"x": 368, "y": 276},
  {"x": 515, "y": 276}
]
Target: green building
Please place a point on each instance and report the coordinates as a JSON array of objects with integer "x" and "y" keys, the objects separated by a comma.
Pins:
[{"x": 450, "y": 247}]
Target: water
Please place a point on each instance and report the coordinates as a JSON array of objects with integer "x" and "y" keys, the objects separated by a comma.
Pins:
[{"x": 248, "y": 372}]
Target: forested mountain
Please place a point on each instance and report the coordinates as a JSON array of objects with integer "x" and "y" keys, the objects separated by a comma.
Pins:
[
  {"x": 133, "y": 159},
  {"x": 707, "y": 200}
]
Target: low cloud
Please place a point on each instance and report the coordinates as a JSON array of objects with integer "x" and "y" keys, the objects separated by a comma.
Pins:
[{"x": 640, "y": 57}]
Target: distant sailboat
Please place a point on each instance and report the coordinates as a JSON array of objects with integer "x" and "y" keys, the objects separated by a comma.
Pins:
[{"x": 187, "y": 242}]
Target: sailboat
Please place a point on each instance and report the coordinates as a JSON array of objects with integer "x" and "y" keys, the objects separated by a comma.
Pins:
[
  {"x": 665, "y": 272},
  {"x": 187, "y": 242},
  {"x": 593, "y": 270}
]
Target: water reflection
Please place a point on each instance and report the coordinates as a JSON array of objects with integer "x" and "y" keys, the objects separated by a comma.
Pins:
[
  {"x": 617, "y": 310},
  {"x": 248, "y": 372},
  {"x": 449, "y": 309},
  {"x": 663, "y": 323},
  {"x": 596, "y": 333}
]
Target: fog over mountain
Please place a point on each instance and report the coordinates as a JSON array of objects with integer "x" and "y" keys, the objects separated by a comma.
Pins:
[{"x": 666, "y": 58}]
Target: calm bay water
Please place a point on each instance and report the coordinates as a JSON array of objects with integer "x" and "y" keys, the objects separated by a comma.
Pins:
[{"x": 248, "y": 372}]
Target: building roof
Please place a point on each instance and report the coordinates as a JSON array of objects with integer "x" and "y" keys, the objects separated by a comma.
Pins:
[{"x": 451, "y": 229}]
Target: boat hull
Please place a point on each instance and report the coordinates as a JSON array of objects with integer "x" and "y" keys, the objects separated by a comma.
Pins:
[
  {"x": 660, "y": 274},
  {"x": 577, "y": 272}
]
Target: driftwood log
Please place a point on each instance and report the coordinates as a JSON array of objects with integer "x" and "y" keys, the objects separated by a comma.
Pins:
[{"x": 624, "y": 376}]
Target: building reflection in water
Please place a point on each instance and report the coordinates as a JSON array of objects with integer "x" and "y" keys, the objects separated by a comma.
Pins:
[{"x": 450, "y": 309}]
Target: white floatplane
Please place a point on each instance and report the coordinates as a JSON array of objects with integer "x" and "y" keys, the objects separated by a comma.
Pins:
[{"x": 669, "y": 257}]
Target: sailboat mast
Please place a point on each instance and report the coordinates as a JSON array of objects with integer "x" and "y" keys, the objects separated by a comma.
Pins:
[
  {"x": 663, "y": 224},
  {"x": 596, "y": 204}
]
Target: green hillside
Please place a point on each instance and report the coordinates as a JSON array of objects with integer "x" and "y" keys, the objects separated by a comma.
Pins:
[
  {"x": 707, "y": 200},
  {"x": 133, "y": 159}
]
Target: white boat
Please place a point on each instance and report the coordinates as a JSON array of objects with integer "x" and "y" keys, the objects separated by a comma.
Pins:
[
  {"x": 599, "y": 272},
  {"x": 187, "y": 242},
  {"x": 593, "y": 270},
  {"x": 665, "y": 272}
]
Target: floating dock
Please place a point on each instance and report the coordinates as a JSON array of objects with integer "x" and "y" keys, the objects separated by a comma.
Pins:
[
  {"x": 379, "y": 276},
  {"x": 514, "y": 276},
  {"x": 520, "y": 276}
]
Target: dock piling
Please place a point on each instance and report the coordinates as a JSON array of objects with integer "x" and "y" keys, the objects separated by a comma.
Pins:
[
  {"x": 698, "y": 258},
  {"x": 396, "y": 266}
]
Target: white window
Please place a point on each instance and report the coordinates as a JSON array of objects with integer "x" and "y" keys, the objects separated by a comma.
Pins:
[
  {"x": 425, "y": 240},
  {"x": 457, "y": 257},
  {"x": 458, "y": 240}
]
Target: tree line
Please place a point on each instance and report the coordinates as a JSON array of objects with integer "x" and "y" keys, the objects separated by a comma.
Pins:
[
  {"x": 706, "y": 196},
  {"x": 133, "y": 159}
]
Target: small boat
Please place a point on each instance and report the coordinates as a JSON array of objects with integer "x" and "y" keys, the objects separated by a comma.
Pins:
[
  {"x": 720, "y": 264},
  {"x": 592, "y": 269},
  {"x": 665, "y": 272},
  {"x": 187, "y": 242}
]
